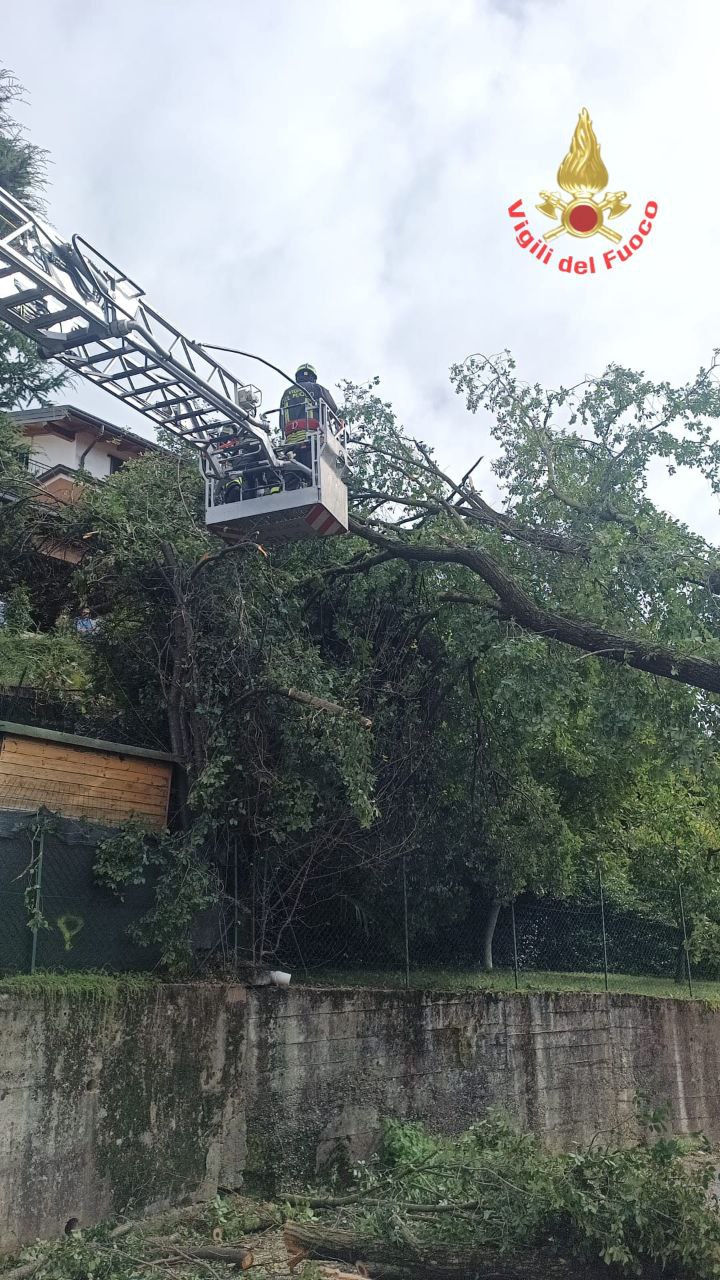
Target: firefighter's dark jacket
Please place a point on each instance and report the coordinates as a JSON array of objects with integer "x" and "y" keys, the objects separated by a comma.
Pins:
[{"x": 294, "y": 401}]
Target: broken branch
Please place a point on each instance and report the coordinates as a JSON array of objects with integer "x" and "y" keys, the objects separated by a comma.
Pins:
[{"x": 320, "y": 704}]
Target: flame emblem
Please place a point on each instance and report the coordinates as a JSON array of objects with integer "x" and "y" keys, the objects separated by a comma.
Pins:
[{"x": 583, "y": 176}]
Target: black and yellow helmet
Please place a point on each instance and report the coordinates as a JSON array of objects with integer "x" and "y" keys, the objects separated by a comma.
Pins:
[{"x": 306, "y": 373}]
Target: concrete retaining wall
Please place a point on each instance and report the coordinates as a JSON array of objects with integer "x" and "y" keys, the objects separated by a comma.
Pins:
[
  {"x": 105, "y": 1103},
  {"x": 118, "y": 1104}
]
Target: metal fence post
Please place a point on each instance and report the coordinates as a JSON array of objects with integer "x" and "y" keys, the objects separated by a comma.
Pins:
[
  {"x": 236, "y": 922},
  {"x": 685, "y": 939},
  {"x": 405, "y": 923},
  {"x": 515, "y": 950},
  {"x": 38, "y": 888},
  {"x": 604, "y": 931}
]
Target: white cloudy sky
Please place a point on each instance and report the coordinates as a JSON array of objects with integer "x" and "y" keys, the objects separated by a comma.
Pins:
[{"x": 329, "y": 180}]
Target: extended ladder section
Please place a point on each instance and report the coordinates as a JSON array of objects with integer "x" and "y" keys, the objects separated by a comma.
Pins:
[{"x": 82, "y": 310}]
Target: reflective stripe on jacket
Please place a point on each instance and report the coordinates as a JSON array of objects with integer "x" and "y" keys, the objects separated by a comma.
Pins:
[{"x": 295, "y": 406}]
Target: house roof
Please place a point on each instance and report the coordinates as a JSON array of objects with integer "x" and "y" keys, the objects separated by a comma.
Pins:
[
  {"x": 66, "y": 412},
  {"x": 78, "y": 740}
]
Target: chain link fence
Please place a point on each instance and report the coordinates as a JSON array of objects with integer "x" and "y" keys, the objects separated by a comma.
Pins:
[
  {"x": 57, "y": 917},
  {"x": 435, "y": 940}
]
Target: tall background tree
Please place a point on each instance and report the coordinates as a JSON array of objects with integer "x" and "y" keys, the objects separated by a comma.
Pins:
[
  {"x": 23, "y": 165},
  {"x": 25, "y": 378}
]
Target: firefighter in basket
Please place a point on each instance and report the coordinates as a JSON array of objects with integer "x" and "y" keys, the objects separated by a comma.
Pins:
[{"x": 300, "y": 411}]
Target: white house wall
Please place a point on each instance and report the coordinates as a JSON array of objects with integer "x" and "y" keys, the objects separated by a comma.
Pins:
[
  {"x": 49, "y": 450},
  {"x": 53, "y": 451},
  {"x": 97, "y": 461}
]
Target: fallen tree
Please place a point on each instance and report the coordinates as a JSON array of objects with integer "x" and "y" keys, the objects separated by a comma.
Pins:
[
  {"x": 491, "y": 1204},
  {"x": 434, "y": 1262},
  {"x": 577, "y": 552}
]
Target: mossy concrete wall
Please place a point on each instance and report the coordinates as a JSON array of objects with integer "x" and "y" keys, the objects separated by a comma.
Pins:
[
  {"x": 113, "y": 1104},
  {"x": 324, "y": 1068},
  {"x": 120, "y": 1102}
]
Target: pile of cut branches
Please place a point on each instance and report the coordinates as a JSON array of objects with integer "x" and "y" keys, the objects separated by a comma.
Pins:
[
  {"x": 195, "y": 1242},
  {"x": 492, "y": 1204}
]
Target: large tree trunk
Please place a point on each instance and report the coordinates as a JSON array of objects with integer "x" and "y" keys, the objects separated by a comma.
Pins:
[
  {"x": 438, "y": 1261},
  {"x": 181, "y": 688},
  {"x": 643, "y": 653},
  {"x": 488, "y": 934}
]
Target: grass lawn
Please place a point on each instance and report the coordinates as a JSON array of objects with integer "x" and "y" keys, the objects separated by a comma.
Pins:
[
  {"x": 98, "y": 985},
  {"x": 504, "y": 980},
  {"x": 85, "y": 984}
]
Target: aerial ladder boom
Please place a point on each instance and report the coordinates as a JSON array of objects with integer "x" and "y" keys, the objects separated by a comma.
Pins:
[{"x": 82, "y": 310}]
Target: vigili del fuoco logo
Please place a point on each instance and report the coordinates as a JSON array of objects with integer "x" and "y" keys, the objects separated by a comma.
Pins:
[{"x": 583, "y": 212}]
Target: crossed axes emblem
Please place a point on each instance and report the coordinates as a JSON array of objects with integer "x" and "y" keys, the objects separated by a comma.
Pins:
[{"x": 553, "y": 206}]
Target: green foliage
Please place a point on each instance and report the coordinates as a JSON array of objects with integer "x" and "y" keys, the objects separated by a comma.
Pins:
[
  {"x": 498, "y": 762},
  {"x": 579, "y": 462},
  {"x": 22, "y": 163},
  {"x": 18, "y": 612},
  {"x": 235, "y": 1216},
  {"x": 94, "y": 1255},
  {"x": 537, "y": 765},
  {"x": 86, "y": 1254},
  {"x": 44, "y": 660},
  {"x": 13, "y": 448},
  {"x": 214, "y": 639},
  {"x": 24, "y": 376},
  {"x": 631, "y": 1207},
  {"x": 183, "y": 881},
  {"x": 549, "y": 762},
  {"x": 37, "y": 827},
  {"x": 25, "y": 379}
]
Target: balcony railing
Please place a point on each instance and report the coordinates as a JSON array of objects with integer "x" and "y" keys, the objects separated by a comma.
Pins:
[{"x": 36, "y": 467}]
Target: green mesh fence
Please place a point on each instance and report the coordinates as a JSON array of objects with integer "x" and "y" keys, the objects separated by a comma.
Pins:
[{"x": 54, "y": 913}]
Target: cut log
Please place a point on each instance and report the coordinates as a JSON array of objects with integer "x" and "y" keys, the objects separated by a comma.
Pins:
[
  {"x": 24, "y": 1272},
  {"x": 329, "y": 1272},
  {"x": 362, "y": 1200},
  {"x": 185, "y": 1214},
  {"x": 438, "y": 1261},
  {"x": 325, "y": 1202},
  {"x": 234, "y": 1255},
  {"x": 383, "y": 1271},
  {"x": 257, "y": 1216}
]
